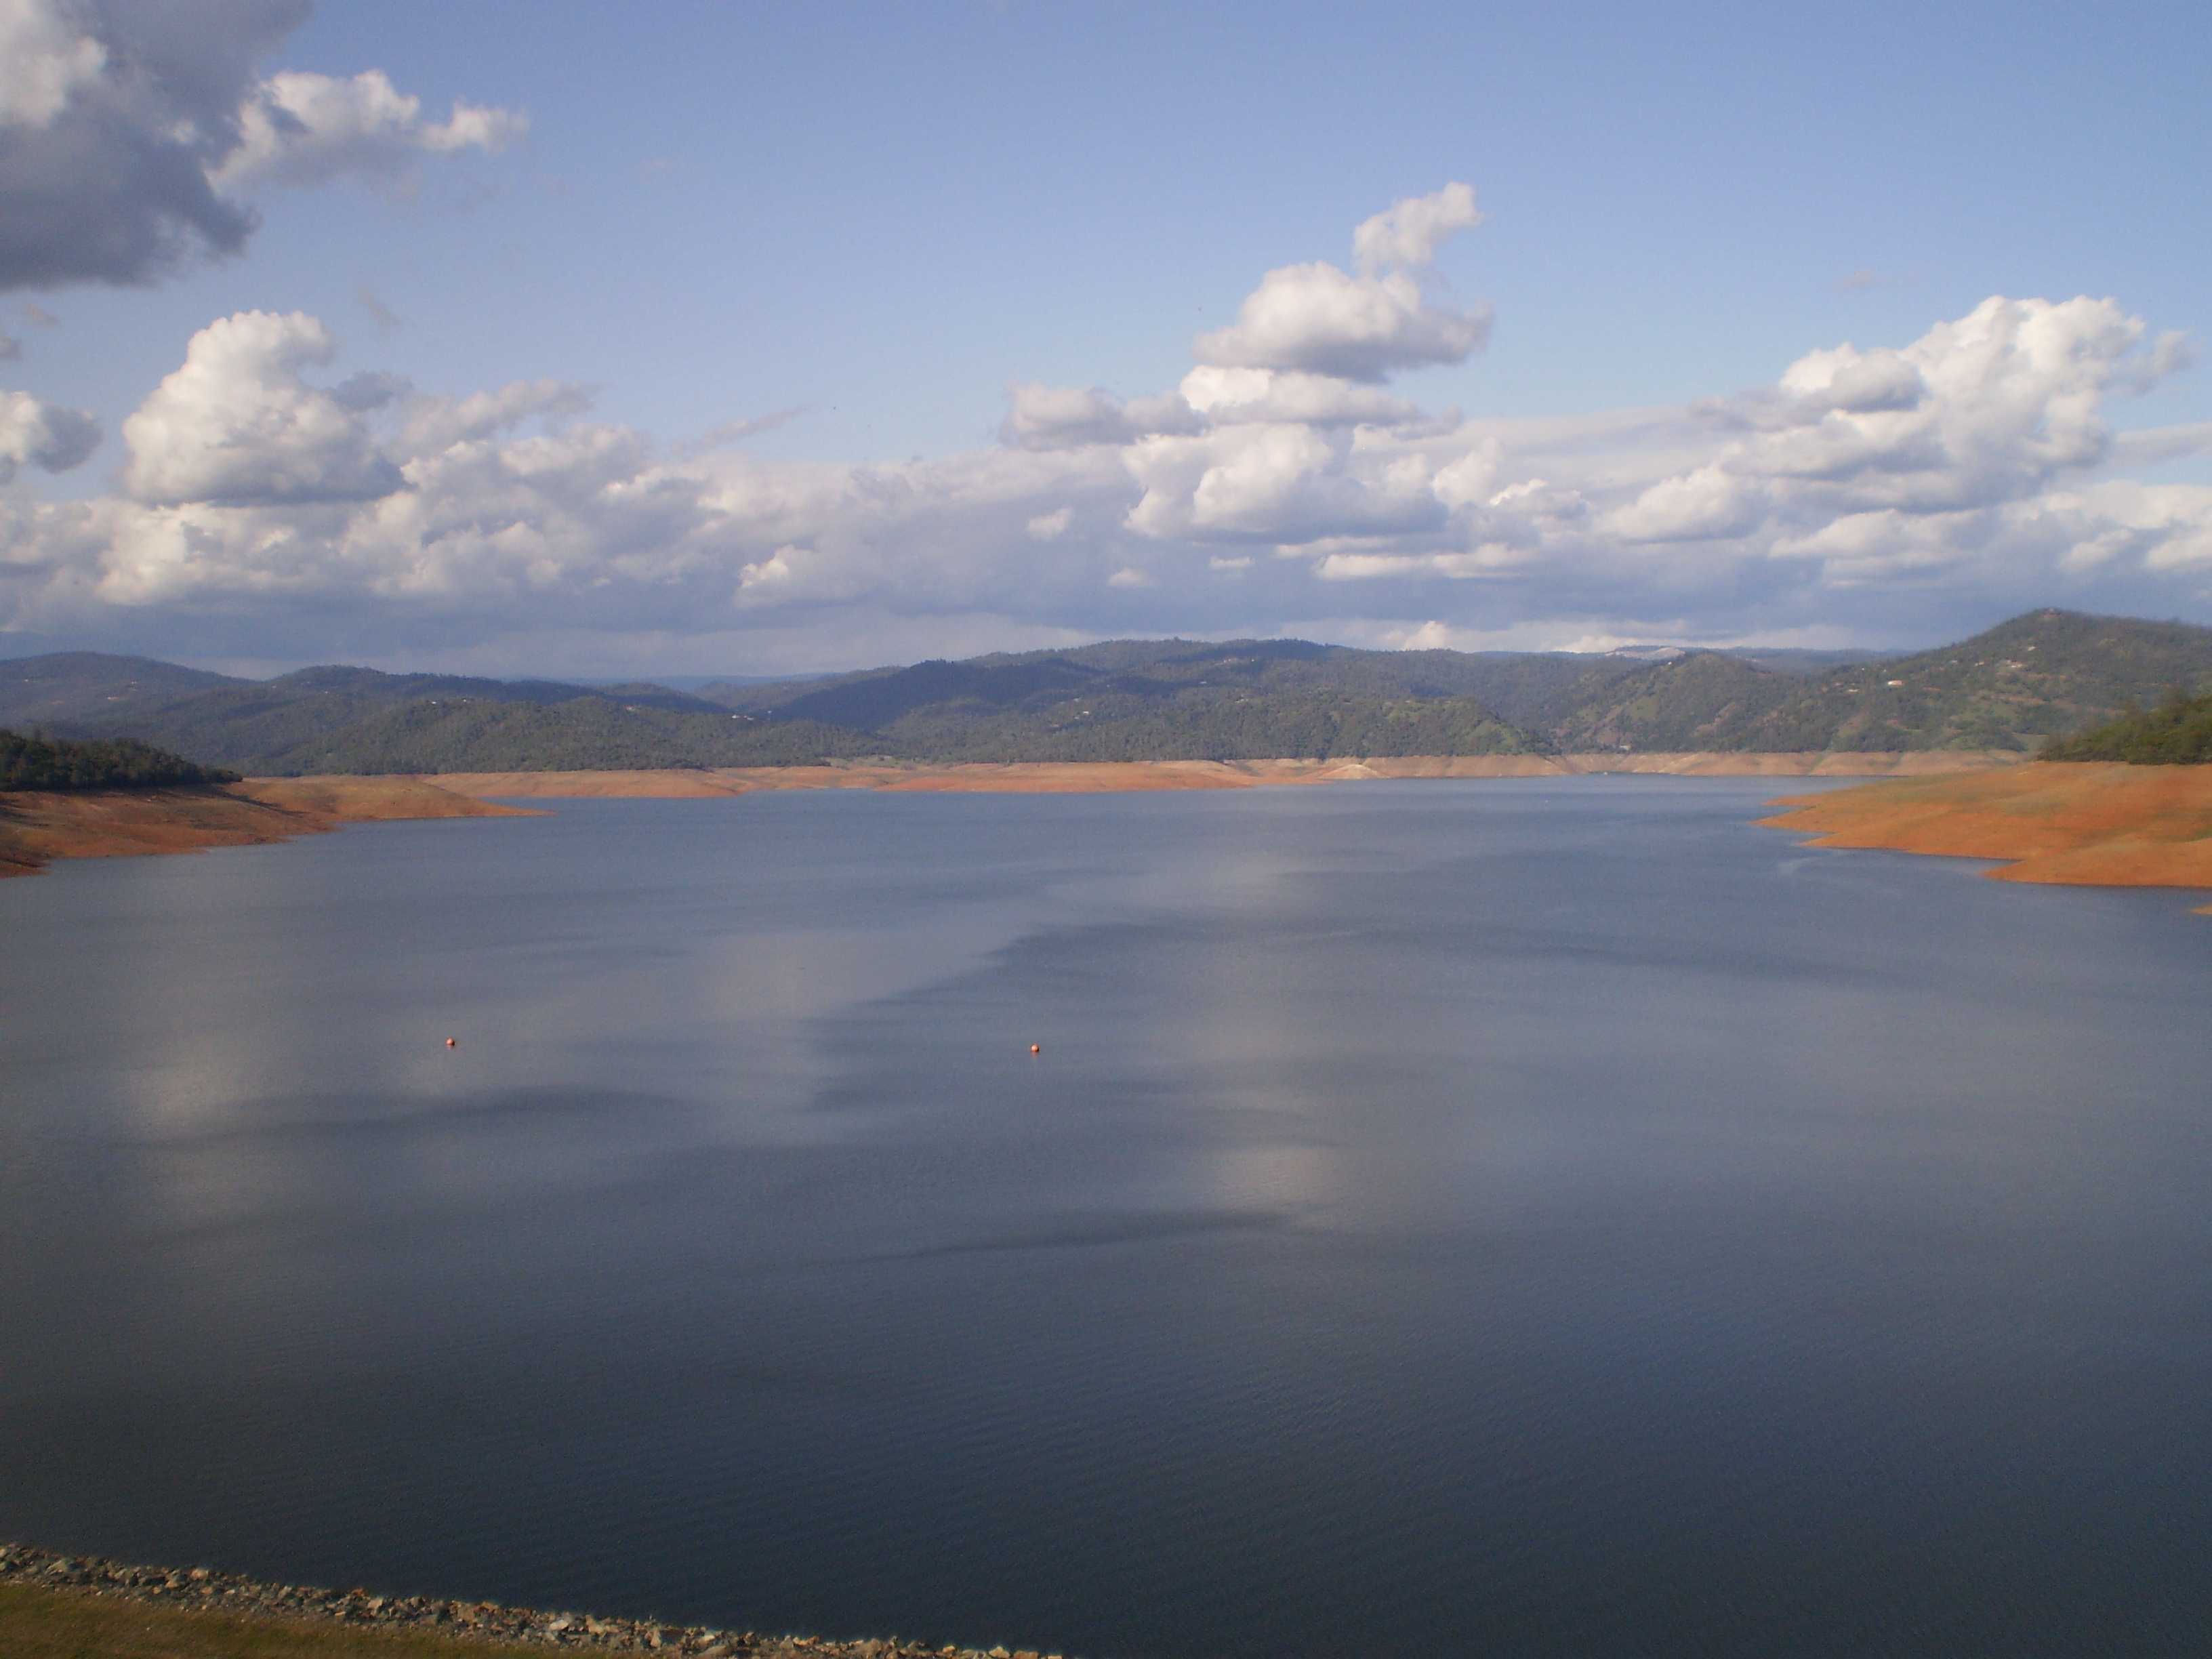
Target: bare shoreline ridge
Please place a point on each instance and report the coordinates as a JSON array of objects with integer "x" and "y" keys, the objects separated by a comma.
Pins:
[{"x": 2097, "y": 825}]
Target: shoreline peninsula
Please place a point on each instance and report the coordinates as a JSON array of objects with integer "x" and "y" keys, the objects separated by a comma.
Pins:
[{"x": 2076, "y": 824}]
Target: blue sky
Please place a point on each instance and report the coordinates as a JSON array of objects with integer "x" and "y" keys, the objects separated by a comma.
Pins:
[{"x": 856, "y": 227}]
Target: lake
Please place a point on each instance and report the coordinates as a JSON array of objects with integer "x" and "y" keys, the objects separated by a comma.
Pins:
[{"x": 1532, "y": 1217}]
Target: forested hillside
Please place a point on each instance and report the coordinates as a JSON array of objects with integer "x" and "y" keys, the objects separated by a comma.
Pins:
[
  {"x": 33, "y": 763},
  {"x": 2046, "y": 675},
  {"x": 582, "y": 734},
  {"x": 2177, "y": 732},
  {"x": 75, "y": 688}
]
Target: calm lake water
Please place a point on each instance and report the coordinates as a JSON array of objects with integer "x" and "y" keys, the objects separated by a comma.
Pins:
[{"x": 1525, "y": 1218}]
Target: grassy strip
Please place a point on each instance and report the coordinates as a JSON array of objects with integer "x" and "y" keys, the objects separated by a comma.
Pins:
[{"x": 60, "y": 1623}]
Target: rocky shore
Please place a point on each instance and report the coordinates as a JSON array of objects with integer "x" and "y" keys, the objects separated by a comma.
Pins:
[{"x": 485, "y": 1624}]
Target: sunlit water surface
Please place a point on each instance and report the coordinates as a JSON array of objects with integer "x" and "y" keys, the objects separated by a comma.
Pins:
[{"x": 1525, "y": 1217}]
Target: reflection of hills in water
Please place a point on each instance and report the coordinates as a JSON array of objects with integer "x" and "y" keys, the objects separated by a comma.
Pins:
[{"x": 2041, "y": 676}]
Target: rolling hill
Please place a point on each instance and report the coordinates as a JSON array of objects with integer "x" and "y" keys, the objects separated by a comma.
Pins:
[
  {"x": 75, "y": 688},
  {"x": 2018, "y": 686}
]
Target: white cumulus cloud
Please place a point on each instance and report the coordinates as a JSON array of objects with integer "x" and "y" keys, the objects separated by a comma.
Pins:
[
  {"x": 302, "y": 128},
  {"x": 1317, "y": 320},
  {"x": 1409, "y": 233},
  {"x": 1696, "y": 506},
  {"x": 1979, "y": 467},
  {"x": 1982, "y": 410},
  {"x": 437, "y": 424},
  {"x": 239, "y": 424},
  {"x": 1067, "y": 417},
  {"x": 1276, "y": 482},
  {"x": 1227, "y": 396}
]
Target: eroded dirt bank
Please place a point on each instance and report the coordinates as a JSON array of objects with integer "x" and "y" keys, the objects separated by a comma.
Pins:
[
  {"x": 1115, "y": 776},
  {"x": 2073, "y": 822},
  {"x": 38, "y": 827}
]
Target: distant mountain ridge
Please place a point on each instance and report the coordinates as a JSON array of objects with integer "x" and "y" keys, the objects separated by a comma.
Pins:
[
  {"x": 2039, "y": 676},
  {"x": 70, "y": 686}
]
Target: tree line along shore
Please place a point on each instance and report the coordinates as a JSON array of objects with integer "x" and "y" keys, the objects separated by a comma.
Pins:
[{"x": 37, "y": 762}]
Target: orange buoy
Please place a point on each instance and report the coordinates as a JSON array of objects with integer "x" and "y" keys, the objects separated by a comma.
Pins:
[
  {"x": 452, "y": 1043},
  {"x": 1036, "y": 1048}
]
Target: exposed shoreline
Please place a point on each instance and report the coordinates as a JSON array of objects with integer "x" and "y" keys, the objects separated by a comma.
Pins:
[
  {"x": 1115, "y": 777},
  {"x": 2076, "y": 823},
  {"x": 38, "y": 827},
  {"x": 469, "y": 1626}
]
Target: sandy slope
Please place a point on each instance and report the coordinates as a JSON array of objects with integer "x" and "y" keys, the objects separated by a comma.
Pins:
[
  {"x": 37, "y": 827},
  {"x": 2078, "y": 823}
]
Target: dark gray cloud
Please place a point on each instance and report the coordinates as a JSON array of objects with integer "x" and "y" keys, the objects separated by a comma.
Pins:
[
  {"x": 369, "y": 391},
  {"x": 126, "y": 124},
  {"x": 111, "y": 113},
  {"x": 34, "y": 432}
]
